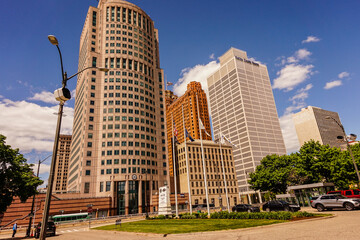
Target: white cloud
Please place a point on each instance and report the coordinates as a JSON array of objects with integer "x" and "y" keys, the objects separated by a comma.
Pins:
[
  {"x": 198, "y": 73},
  {"x": 44, "y": 168},
  {"x": 29, "y": 126},
  {"x": 212, "y": 56},
  {"x": 286, "y": 122},
  {"x": 302, "y": 94},
  {"x": 333, "y": 84},
  {"x": 254, "y": 60},
  {"x": 289, "y": 133},
  {"x": 302, "y": 54},
  {"x": 44, "y": 96},
  {"x": 292, "y": 75},
  {"x": 343, "y": 75},
  {"x": 311, "y": 39}
]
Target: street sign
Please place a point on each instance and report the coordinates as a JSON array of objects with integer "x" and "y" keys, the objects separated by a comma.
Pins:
[{"x": 89, "y": 209}]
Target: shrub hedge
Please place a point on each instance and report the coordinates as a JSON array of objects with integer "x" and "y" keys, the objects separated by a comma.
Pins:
[
  {"x": 260, "y": 215},
  {"x": 239, "y": 215}
]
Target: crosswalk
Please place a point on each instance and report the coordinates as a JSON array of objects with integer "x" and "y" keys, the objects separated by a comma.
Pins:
[{"x": 73, "y": 230}]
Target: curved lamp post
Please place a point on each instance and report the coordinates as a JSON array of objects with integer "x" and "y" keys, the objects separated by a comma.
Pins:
[
  {"x": 347, "y": 144},
  {"x": 62, "y": 95}
]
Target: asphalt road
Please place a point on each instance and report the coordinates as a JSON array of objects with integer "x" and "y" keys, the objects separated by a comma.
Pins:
[{"x": 344, "y": 225}]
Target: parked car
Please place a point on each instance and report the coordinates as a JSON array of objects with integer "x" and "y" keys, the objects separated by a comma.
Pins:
[
  {"x": 245, "y": 208},
  {"x": 50, "y": 230},
  {"x": 347, "y": 193},
  {"x": 330, "y": 201},
  {"x": 280, "y": 205}
]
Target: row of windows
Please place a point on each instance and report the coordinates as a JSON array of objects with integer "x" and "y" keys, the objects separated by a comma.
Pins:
[
  {"x": 131, "y": 162},
  {"x": 212, "y": 184},
  {"x": 124, "y": 144},
  {"x": 128, "y": 170},
  {"x": 126, "y": 153},
  {"x": 123, "y": 118},
  {"x": 200, "y": 176},
  {"x": 214, "y": 190}
]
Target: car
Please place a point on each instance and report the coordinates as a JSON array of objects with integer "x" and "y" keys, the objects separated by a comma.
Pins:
[
  {"x": 347, "y": 193},
  {"x": 50, "y": 230},
  {"x": 280, "y": 205},
  {"x": 245, "y": 208},
  {"x": 330, "y": 201}
]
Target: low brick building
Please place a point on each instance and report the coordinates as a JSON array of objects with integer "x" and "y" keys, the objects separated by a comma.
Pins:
[{"x": 68, "y": 203}]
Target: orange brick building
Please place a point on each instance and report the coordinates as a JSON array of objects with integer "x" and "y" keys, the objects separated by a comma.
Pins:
[{"x": 188, "y": 100}]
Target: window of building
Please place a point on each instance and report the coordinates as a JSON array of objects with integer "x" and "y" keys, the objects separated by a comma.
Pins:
[
  {"x": 108, "y": 186},
  {"x": 87, "y": 187}
]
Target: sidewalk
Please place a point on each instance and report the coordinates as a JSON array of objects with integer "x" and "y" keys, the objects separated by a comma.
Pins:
[{"x": 69, "y": 227}]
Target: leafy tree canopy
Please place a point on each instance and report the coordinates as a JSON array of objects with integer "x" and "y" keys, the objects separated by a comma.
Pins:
[
  {"x": 313, "y": 163},
  {"x": 16, "y": 176}
]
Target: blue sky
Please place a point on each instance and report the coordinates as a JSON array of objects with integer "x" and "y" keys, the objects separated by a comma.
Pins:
[{"x": 323, "y": 71}]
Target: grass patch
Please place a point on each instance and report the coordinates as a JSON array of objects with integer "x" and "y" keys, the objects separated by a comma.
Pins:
[{"x": 175, "y": 226}]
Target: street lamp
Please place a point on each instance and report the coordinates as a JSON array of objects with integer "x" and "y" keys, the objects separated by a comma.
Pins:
[
  {"x": 347, "y": 144},
  {"x": 61, "y": 95},
  {"x": 33, "y": 200}
]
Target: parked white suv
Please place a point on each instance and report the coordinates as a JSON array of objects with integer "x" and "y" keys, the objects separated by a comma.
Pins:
[{"x": 331, "y": 201}]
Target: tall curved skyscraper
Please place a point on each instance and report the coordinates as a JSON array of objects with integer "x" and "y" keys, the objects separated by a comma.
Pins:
[{"x": 118, "y": 144}]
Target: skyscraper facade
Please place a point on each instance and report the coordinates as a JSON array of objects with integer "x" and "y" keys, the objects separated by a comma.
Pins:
[
  {"x": 62, "y": 164},
  {"x": 243, "y": 109},
  {"x": 189, "y": 103},
  {"x": 119, "y": 144},
  {"x": 311, "y": 124}
]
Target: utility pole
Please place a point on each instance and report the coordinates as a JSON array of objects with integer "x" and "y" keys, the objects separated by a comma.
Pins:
[{"x": 33, "y": 200}]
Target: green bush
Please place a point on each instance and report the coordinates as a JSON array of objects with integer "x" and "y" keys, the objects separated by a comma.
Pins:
[
  {"x": 187, "y": 216},
  {"x": 303, "y": 214},
  {"x": 259, "y": 215},
  {"x": 203, "y": 215}
]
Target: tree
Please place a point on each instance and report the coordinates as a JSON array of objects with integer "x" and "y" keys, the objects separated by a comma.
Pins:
[
  {"x": 272, "y": 174},
  {"x": 16, "y": 176},
  {"x": 312, "y": 164}
]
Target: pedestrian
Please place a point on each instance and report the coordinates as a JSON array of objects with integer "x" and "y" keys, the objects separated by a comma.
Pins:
[{"x": 14, "y": 229}]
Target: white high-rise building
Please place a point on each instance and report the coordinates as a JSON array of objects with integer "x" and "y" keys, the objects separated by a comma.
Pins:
[
  {"x": 243, "y": 109},
  {"x": 311, "y": 124}
]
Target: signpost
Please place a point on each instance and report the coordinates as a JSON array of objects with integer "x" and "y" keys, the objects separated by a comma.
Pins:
[
  {"x": 118, "y": 222},
  {"x": 90, "y": 210}
]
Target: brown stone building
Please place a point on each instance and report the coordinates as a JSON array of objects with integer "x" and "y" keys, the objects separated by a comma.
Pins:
[
  {"x": 188, "y": 101},
  {"x": 170, "y": 97},
  {"x": 62, "y": 164},
  {"x": 214, "y": 173}
]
